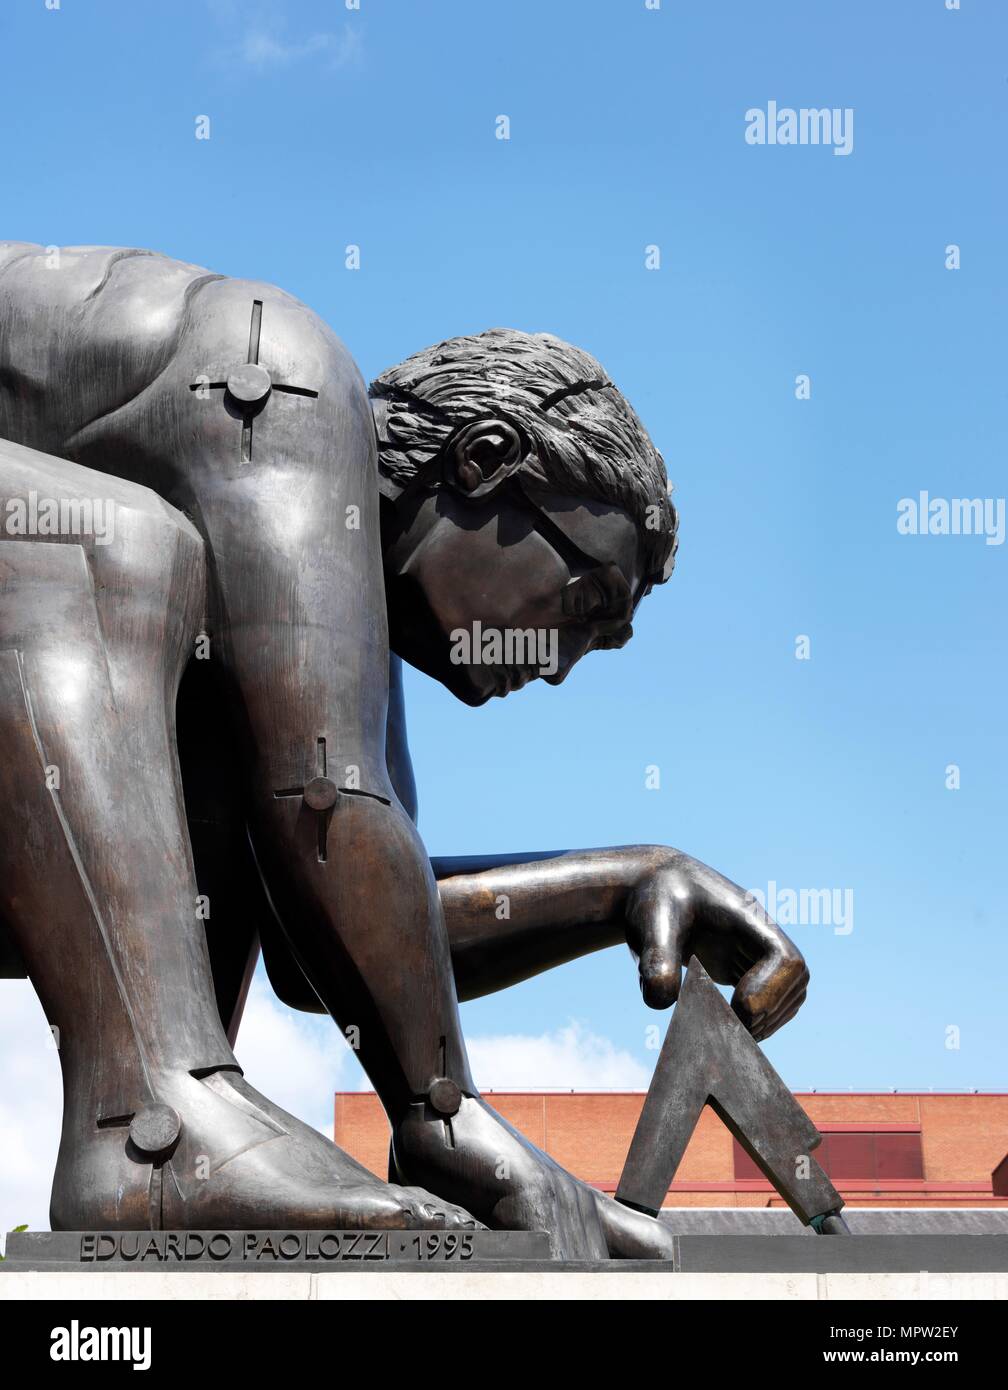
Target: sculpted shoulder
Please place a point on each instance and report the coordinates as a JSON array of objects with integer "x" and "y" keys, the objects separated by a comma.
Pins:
[
  {"x": 87, "y": 331},
  {"x": 83, "y": 330},
  {"x": 232, "y": 323}
]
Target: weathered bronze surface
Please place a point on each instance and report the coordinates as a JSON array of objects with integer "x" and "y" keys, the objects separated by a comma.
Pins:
[{"x": 204, "y": 745}]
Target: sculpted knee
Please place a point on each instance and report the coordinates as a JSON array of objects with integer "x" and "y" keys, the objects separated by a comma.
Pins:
[{"x": 83, "y": 554}]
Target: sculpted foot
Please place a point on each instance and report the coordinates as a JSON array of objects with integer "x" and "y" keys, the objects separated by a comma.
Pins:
[
  {"x": 476, "y": 1158},
  {"x": 632, "y": 1235},
  {"x": 217, "y": 1154}
]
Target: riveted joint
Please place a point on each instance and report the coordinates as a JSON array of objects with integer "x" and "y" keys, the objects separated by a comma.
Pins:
[
  {"x": 154, "y": 1132},
  {"x": 445, "y": 1097},
  {"x": 321, "y": 793}
]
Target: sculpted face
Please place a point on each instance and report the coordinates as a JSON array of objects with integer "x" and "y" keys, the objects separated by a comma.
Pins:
[{"x": 491, "y": 585}]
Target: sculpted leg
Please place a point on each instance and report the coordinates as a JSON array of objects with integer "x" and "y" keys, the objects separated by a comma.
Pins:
[{"x": 160, "y": 1128}]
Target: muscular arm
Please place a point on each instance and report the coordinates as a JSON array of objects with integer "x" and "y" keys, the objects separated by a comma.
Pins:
[{"x": 512, "y": 916}]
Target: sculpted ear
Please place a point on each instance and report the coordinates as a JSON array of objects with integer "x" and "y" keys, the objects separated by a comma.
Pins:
[{"x": 483, "y": 455}]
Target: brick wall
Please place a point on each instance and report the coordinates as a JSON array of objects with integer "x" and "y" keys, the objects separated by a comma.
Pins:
[{"x": 963, "y": 1139}]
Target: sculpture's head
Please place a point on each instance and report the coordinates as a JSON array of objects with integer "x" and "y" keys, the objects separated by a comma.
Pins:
[{"x": 525, "y": 513}]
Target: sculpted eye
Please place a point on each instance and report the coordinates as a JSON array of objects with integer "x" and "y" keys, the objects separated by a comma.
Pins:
[
  {"x": 600, "y": 595},
  {"x": 585, "y": 598},
  {"x": 618, "y": 600},
  {"x": 597, "y": 598}
]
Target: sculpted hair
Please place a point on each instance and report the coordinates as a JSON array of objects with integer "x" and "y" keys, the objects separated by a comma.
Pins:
[{"x": 586, "y": 437}]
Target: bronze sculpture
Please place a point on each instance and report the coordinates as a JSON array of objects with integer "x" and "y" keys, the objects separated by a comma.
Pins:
[{"x": 282, "y": 539}]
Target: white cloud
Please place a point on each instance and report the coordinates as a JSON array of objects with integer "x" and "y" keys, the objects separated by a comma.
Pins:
[
  {"x": 572, "y": 1057},
  {"x": 31, "y": 1108},
  {"x": 263, "y": 49},
  {"x": 298, "y": 1059}
]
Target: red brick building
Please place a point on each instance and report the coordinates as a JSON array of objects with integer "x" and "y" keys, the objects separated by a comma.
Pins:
[{"x": 884, "y": 1149}]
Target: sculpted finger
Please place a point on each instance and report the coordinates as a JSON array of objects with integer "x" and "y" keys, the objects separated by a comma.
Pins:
[
  {"x": 656, "y": 933},
  {"x": 778, "y": 1020},
  {"x": 742, "y": 961},
  {"x": 762, "y": 991},
  {"x": 660, "y": 972},
  {"x": 793, "y": 992}
]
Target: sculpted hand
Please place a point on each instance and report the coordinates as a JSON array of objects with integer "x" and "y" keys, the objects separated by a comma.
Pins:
[{"x": 682, "y": 908}]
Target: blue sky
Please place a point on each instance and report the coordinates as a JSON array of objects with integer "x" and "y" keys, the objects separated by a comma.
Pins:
[{"x": 377, "y": 127}]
